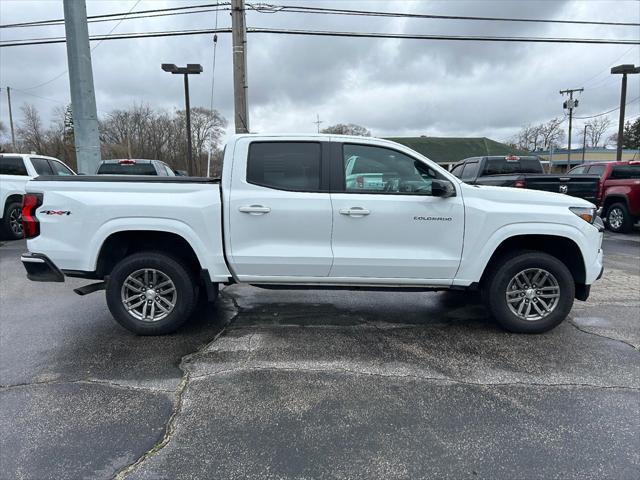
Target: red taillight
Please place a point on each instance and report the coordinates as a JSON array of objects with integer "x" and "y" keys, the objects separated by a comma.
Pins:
[
  {"x": 520, "y": 184},
  {"x": 30, "y": 224},
  {"x": 127, "y": 162},
  {"x": 512, "y": 158}
]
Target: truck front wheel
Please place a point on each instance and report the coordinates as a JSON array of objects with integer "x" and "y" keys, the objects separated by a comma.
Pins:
[
  {"x": 151, "y": 293},
  {"x": 529, "y": 292},
  {"x": 618, "y": 218}
]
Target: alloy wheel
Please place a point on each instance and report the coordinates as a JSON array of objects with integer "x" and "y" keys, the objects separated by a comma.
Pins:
[
  {"x": 148, "y": 294},
  {"x": 533, "y": 294}
]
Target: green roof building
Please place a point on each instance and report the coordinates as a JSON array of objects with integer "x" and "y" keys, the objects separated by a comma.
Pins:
[{"x": 449, "y": 150}]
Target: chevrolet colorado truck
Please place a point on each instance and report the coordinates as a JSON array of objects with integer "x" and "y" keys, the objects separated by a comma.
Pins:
[
  {"x": 523, "y": 172},
  {"x": 285, "y": 215}
]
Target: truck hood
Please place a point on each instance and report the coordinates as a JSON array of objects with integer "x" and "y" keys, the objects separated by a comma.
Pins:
[{"x": 522, "y": 195}]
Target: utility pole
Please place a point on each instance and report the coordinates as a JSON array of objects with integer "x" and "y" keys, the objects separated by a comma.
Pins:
[
  {"x": 83, "y": 99},
  {"x": 13, "y": 135},
  {"x": 318, "y": 122},
  {"x": 570, "y": 104},
  {"x": 624, "y": 70},
  {"x": 240, "y": 87},
  {"x": 584, "y": 141}
]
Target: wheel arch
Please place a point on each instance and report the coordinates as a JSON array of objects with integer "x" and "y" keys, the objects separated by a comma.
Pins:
[
  {"x": 14, "y": 197},
  {"x": 563, "y": 248},
  {"x": 614, "y": 198}
]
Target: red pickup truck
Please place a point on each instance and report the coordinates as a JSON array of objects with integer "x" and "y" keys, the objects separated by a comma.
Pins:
[{"x": 618, "y": 192}]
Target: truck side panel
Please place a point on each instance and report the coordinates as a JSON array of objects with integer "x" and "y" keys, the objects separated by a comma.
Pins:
[{"x": 77, "y": 217}]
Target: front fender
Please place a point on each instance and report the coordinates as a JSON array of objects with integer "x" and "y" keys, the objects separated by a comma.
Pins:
[{"x": 473, "y": 264}]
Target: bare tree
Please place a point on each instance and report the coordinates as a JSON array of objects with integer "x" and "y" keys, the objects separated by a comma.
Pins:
[
  {"x": 551, "y": 133},
  {"x": 347, "y": 129},
  {"x": 596, "y": 129},
  {"x": 30, "y": 132},
  {"x": 540, "y": 136}
]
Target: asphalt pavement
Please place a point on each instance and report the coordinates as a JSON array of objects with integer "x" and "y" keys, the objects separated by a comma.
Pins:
[{"x": 320, "y": 384}]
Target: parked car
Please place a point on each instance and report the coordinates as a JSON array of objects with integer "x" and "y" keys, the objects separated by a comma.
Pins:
[
  {"x": 618, "y": 192},
  {"x": 283, "y": 216},
  {"x": 15, "y": 170},
  {"x": 130, "y": 166},
  {"x": 523, "y": 172}
]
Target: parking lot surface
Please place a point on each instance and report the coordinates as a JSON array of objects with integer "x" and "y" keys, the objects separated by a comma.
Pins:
[{"x": 320, "y": 384}]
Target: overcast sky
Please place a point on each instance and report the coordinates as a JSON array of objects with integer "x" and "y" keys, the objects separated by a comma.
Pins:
[{"x": 393, "y": 87}]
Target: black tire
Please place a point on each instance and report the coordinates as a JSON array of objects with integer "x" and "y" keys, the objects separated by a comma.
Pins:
[
  {"x": 618, "y": 218},
  {"x": 500, "y": 276},
  {"x": 12, "y": 213},
  {"x": 185, "y": 299}
]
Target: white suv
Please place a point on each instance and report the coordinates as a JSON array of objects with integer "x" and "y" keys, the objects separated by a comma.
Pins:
[{"x": 16, "y": 169}]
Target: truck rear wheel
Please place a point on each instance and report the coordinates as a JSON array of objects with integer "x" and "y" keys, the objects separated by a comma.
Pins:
[
  {"x": 12, "y": 220},
  {"x": 618, "y": 218},
  {"x": 151, "y": 293},
  {"x": 529, "y": 292}
]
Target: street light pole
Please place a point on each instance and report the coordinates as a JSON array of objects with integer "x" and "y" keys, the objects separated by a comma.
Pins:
[
  {"x": 190, "y": 69},
  {"x": 624, "y": 70}
]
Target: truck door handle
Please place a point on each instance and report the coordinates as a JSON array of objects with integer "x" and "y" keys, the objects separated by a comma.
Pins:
[
  {"x": 254, "y": 209},
  {"x": 354, "y": 211}
]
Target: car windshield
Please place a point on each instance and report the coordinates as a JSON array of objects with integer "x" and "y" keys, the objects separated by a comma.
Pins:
[
  {"x": 499, "y": 166},
  {"x": 127, "y": 169}
]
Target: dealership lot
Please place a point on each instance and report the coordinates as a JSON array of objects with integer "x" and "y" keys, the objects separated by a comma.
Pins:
[{"x": 320, "y": 384}]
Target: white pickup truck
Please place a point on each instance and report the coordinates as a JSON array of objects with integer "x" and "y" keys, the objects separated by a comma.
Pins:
[
  {"x": 284, "y": 216},
  {"x": 15, "y": 171}
]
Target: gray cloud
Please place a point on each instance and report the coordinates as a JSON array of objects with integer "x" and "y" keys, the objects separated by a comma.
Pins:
[{"x": 393, "y": 87}]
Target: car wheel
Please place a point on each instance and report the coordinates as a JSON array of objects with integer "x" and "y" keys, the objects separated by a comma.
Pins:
[
  {"x": 529, "y": 292},
  {"x": 618, "y": 218},
  {"x": 151, "y": 293},
  {"x": 12, "y": 220}
]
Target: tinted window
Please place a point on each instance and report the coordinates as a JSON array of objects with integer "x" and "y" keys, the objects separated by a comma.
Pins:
[
  {"x": 285, "y": 165},
  {"x": 499, "y": 166},
  {"x": 381, "y": 170},
  {"x": 578, "y": 171},
  {"x": 12, "y": 166},
  {"x": 470, "y": 171},
  {"x": 457, "y": 171},
  {"x": 59, "y": 168},
  {"x": 126, "y": 169},
  {"x": 41, "y": 166},
  {"x": 596, "y": 169},
  {"x": 625, "y": 172}
]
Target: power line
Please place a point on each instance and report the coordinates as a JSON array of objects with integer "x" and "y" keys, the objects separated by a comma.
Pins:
[
  {"x": 110, "y": 16},
  {"x": 274, "y": 8},
  {"x": 608, "y": 111},
  {"x": 92, "y": 49},
  {"x": 328, "y": 33},
  {"x": 607, "y": 69},
  {"x": 270, "y": 8}
]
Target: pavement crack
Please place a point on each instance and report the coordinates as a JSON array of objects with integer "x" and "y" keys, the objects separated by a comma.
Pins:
[
  {"x": 447, "y": 380},
  {"x": 588, "y": 332},
  {"x": 179, "y": 396},
  {"x": 105, "y": 383}
]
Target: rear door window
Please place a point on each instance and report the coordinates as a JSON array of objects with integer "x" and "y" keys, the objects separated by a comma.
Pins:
[
  {"x": 625, "y": 172},
  {"x": 578, "y": 171},
  {"x": 12, "y": 166},
  {"x": 596, "y": 170},
  {"x": 293, "y": 166},
  {"x": 457, "y": 171},
  {"x": 41, "y": 165}
]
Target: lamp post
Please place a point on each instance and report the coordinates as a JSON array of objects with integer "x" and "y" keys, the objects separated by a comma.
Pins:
[
  {"x": 190, "y": 69},
  {"x": 624, "y": 70}
]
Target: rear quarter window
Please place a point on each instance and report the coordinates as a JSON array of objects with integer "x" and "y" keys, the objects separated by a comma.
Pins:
[{"x": 12, "y": 166}]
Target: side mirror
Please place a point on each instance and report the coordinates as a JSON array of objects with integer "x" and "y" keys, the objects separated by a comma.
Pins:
[{"x": 442, "y": 188}]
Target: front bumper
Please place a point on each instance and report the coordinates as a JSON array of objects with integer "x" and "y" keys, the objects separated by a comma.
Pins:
[{"x": 40, "y": 268}]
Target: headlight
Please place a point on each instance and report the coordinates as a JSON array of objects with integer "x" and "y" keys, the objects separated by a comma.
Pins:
[{"x": 588, "y": 214}]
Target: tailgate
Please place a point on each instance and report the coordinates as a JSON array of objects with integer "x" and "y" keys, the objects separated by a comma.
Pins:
[{"x": 582, "y": 186}]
